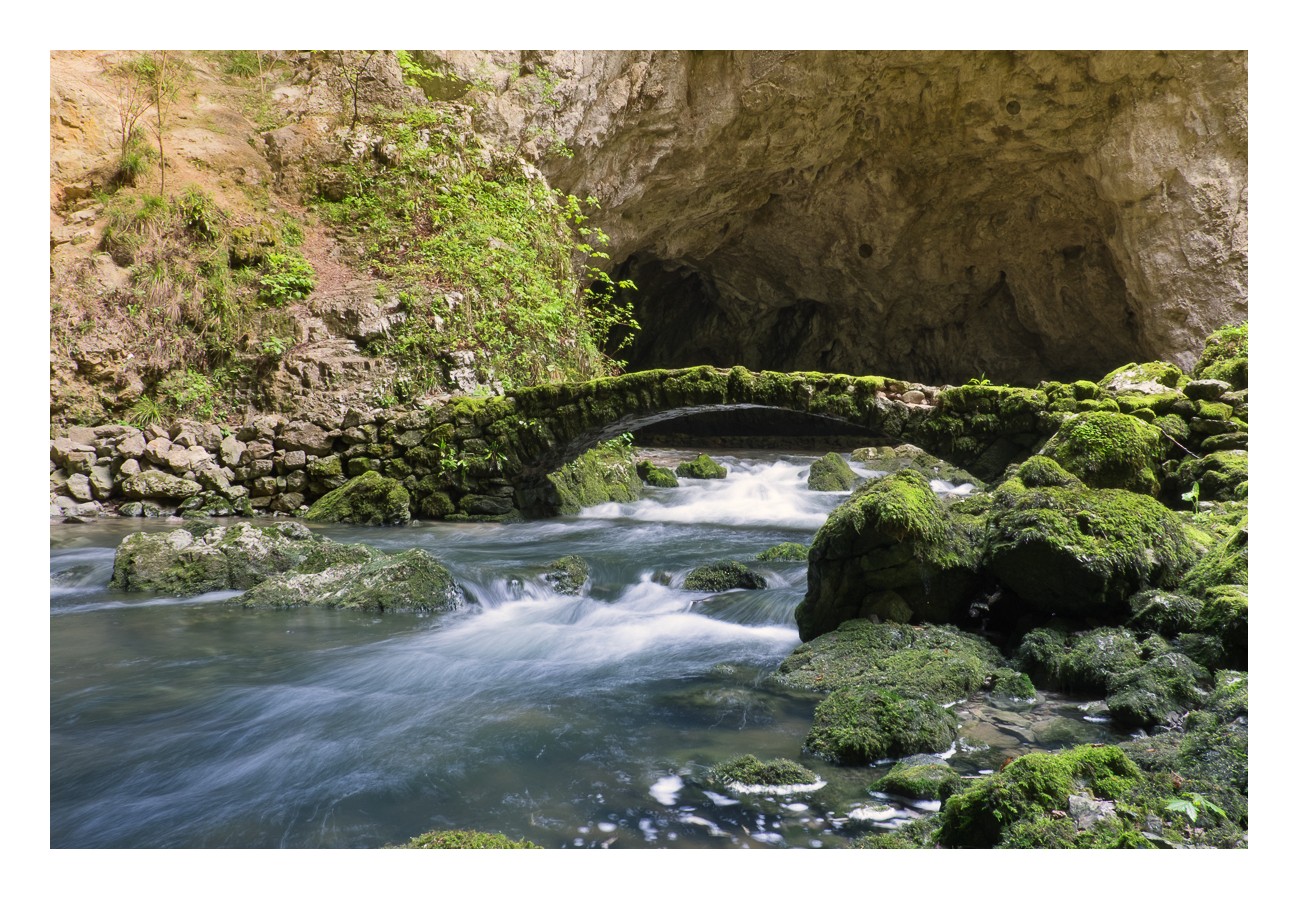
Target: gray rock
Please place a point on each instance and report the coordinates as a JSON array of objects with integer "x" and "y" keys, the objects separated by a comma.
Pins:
[
  {"x": 294, "y": 459},
  {"x": 80, "y": 462},
  {"x": 101, "y": 480},
  {"x": 128, "y": 468},
  {"x": 409, "y": 580},
  {"x": 212, "y": 478},
  {"x": 1206, "y": 389},
  {"x": 233, "y": 450},
  {"x": 259, "y": 450},
  {"x": 307, "y": 437},
  {"x": 288, "y": 502},
  {"x": 263, "y": 487},
  {"x": 156, "y": 450},
  {"x": 1088, "y": 811},
  {"x": 158, "y": 485},
  {"x": 131, "y": 446},
  {"x": 78, "y": 487},
  {"x": 295, "y": 481}
]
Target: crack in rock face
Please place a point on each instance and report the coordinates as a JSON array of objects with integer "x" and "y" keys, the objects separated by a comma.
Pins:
[{"x": 935, "y": 215}]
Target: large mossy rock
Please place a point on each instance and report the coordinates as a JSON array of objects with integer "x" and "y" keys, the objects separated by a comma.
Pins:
[
  {"x": 1040, "y": 799},
  {"x": 853, "y": 726},
  {"x": 830, "y": 473},
  {"x": 720, "y": 576},
  {"x": 1075, "y": 551},
  {"x": 656, "y": 476},
  {"x": 1225, "y": 562},
  {"x": 567, "y": 575},
  {"x": 941, "y": 662},
  {"x": 1222, "y": 475},
  {"x": 369, "y": 499},
  {"x": 379, "y": 582},
  {"x": 159, "y": 485},
  {"x": 184, "y": 562},
  {"x": 1108, "y": 449},
  {"x": 784, "y": 552},
  {"x": 892, "y": 549},
  {"x": 605, "y": 474}
]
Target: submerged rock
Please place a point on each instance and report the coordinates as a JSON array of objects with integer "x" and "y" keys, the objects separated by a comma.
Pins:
[
  {"x": 381, "y": 582},
  {"x": 368, "y": 499},
  {"x": 655, "y": 476},
  {"x": 721, "y": 576},
  {"x": 854, "y": 726},
  {"x": 749, "y": 770},
  {"x": 785, "y": 552},
  {"x": 567, "y": 575}
]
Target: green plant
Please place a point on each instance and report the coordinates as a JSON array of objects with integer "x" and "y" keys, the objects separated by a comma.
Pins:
[
  {"x": 273, "y": 347},
  {"x": 199, "y": 214},
  {"x": 1190, "y": 804},
  {"x": 1192, "y": 496},
  {"x": 145, "y": 412},
  {"x": 981, "y": 381},
  {"x": 286, "y": 278}
]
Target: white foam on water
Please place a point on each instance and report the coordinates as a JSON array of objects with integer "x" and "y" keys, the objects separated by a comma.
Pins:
[
  {"x": 720, "y": 800},
  {"x": 713, "y": 830},
  {"x": 607, "y": 826},
  {"x": 768, "y": 837},
  {"x": 665, "y": 790},
  {"x": 797, "y": 806}
]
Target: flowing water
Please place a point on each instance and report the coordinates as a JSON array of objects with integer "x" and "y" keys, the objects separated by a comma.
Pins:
[{"x": 579, "y": 721}]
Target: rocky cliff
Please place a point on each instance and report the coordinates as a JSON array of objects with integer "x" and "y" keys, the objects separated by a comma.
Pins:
[{"x": 934, "y": 215}]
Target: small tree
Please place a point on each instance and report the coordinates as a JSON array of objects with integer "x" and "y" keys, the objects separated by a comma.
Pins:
[
  {"x": 352, "y": 74},
  {"x": 164, "y": 79},
  {"x": 133, "y": 97}
]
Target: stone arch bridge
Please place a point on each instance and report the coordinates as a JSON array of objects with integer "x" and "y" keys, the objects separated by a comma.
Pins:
[{"x": 493, "y": 454}]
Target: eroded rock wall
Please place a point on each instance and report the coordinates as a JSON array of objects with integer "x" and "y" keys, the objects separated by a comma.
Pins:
[{"x": 938, "y": 215}]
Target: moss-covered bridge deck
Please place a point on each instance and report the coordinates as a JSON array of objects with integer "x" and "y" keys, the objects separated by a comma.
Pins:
[{"x": 505, "y": 446}]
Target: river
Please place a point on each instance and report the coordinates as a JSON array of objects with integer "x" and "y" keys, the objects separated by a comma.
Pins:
[{"x": 580, "y": 722}]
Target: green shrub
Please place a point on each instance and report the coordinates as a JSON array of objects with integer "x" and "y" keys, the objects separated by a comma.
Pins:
[{"x": 286, "y": 278}]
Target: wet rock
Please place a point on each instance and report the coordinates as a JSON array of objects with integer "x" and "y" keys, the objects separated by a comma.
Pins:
[
  {"x": 830, "y": 473},
  {"x": 567, "y": 575},
  {"x": 701, "y": 466},
  {"x": 721, "y": 576},
  {"x": 368, "y": 499},
  {"x": 411, "y": 580},
  {"x": 159, "y": 485}
]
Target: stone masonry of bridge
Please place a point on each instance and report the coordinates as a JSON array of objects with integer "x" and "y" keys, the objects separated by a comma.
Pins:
[{"x": 489, "y": 457}]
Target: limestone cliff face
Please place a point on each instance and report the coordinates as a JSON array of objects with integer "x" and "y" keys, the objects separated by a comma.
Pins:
[{"x": 930, "y": 215}]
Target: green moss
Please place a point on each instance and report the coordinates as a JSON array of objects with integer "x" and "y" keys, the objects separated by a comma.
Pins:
[
  {"x": 914, "y": 834},
  {"x": 1043, "y": 471},
  {"x": 721, "y": 576},
  {"x": 785, "y": 552},
  {"x": 1012, "y": 684},
  {"x": 465, "y": 839},
  {"x": 855, "y": 726},
  {"x": 1225, "y": 356},
  {"x": 702, "y": 466},
  {"x": 1150, "y": 693},
  {"x": 567, "y": 575},
  {"x": 411, "y": 580},
  {"x": 920, "y": 777},
  {"x": 1161, "y": 374},
  {"x": 1083, "y": 662},
  {"x": 1031, "y": 788},
  {"x": 748, "y": 769},
  {"x": 1225, "y": 616},
  {"x": 1163, "y": 612},
  {"x": 1226, "y": 562},
  {"x": 941, "y": 662},
  {"x": 601, "y": 475},
  {"x": 830, "y": 473},
  {"x": 368, "y": 499},
  {"x": 655, "y": 476},
  {"x": 1080, "y": 551},
  {"x": 1220, "y": 475},
  {"x": 1107, "y": 449}
]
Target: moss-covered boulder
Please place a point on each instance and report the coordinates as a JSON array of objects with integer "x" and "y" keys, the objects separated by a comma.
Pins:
[
  {"x": 853, "y": 726},
  {"x": 465, "y": 839},
  {"x": 1159, "y": 687},
  {"x": 1148, "y": 378},
  {"x": 1078, "y": 551},
  {"x": 831, "y": 473},
  {"x": 749, "y": 770},
  {"x": 703, "y": 467},
  {"x": 184, "y": 562},
  {"x": 158, "y": 485},
  {"x": 1221, "y": 475},
  {"x": 1225, "y": 562},
  {"x": 1084, "y": 662},
  {"x": 567, "y": 575},
  {"x": 1224, "y": 616},
  {"x": 1006, "y": 683},
  {"x": 721, "y": 576},
  {"x": 942, "y": 662},
  {"x": 785, "y": 552},
  {"x": 920, "y": 777},
  {"x": 369, "y": 499},
  {"x": 605, "y": 474},
  {"x": 893, "y": 539},
  {"x": 1164, "y": 612},
  {"x": 1107, "y": 449},
  {"x": 1043, "y": 471},
  {"x": 411, "y": 580},
  {"x": 1225, "y": 356},
  {"x": 906, "y": 456},
  {"x": 1043, "y": 799},
  {"x": 655, "y": 476}
]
